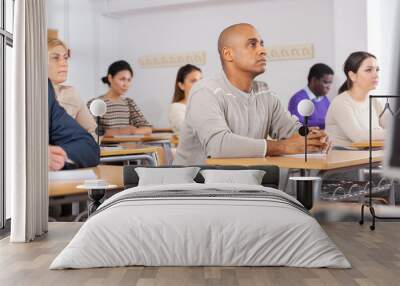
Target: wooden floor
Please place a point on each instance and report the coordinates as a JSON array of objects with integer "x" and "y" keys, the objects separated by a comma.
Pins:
[{"x": 375, "y": 257}]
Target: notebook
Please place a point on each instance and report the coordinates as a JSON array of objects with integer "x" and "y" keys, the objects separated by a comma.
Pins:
[
  {"x": 129, "y": 136},
  {"x": 309, "y": 155},
  {"x": 72, "y": 175}
]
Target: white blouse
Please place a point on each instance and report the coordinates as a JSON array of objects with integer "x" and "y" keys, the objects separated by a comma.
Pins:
[
  {"x": 176, "y": 116},
  {"x": 347, "y": 120}
]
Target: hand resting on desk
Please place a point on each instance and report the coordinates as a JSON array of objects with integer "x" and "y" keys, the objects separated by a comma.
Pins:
[{"x": 317, "y": 141}]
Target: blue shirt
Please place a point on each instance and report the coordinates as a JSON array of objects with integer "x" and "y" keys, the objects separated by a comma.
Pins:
[
  {"x": 321, "y": 105},
  {"x": 65, "y": 132}
]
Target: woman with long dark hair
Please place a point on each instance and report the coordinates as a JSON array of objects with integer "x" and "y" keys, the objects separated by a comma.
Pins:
[
  {"x": 347, "y": 120},
  {"x": 186, "y": 77},
  {"x": 123, "y": 116}
]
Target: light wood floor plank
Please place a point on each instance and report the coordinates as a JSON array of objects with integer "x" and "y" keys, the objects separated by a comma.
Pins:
[{"x": 375, "y": 257}]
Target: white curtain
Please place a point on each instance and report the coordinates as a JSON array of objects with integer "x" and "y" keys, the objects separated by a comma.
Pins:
[{"x": 27, "y": 123}]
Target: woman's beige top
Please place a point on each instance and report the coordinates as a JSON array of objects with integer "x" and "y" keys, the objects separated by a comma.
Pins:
[
  {"x": 347, "y": 120},
  {"x": 176, "y": 116},
  {"x": 69, "y": 99}
]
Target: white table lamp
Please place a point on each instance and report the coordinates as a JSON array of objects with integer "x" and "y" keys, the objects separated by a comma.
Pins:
[
  {"x": 98, "y": 108},
  {"x": 305, "y": 109}
]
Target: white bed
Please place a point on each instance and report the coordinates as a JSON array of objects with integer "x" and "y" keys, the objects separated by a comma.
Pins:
[{"x": 201, "y": 224}]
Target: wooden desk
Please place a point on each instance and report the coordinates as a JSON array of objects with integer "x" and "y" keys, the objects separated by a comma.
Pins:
[
  {"x": 135, "y": 149},
  {"x": 175, "y": 140},
  {"x": 159, "y": 139},
  {"x": 112, "y": 174},
  {"x": 162, "y": 130},
  {"x": 365, "y": 144},
  {"x": 146, "y": 138},
  {"x": 334, "y": 160}
]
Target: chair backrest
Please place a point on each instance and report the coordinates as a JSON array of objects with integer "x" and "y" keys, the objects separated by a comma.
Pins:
[{"x": 270, "y": 179}]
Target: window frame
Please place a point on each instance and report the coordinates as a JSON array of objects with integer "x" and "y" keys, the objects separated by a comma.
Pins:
[{"x": 6, "y": 39}]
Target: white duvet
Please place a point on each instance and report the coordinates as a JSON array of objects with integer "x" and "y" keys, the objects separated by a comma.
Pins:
[{"x": 184, "y": 230}]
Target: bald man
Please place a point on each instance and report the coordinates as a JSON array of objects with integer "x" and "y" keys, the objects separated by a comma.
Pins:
[{"x": 232, "y": 115}]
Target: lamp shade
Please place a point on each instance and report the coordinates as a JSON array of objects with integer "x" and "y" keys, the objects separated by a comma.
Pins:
[
  {"x": 305, "y": 107},
  {"x": 98, "y": 107}
]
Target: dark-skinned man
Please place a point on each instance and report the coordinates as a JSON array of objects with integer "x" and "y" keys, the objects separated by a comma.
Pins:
[
  {"x": 232, "y": 115},
  {"x": 320, "y": 78}
]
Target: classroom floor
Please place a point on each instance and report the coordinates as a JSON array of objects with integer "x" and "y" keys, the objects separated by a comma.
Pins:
[{"x": 374, "y": 255}]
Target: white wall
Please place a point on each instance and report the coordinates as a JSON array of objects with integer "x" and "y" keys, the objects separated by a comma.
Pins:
[
  {"x": 100, "y": 32},
  {"x": 197, "y": 27},
  {"x": 92, "y": 38},
  {"x": 373, "y": 26},
  {"x": 350, "y": 33},
  {"x": 384, "y": 41}
]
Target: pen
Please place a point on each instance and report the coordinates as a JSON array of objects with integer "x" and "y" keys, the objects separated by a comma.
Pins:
[{"x": 328, "y": 147}]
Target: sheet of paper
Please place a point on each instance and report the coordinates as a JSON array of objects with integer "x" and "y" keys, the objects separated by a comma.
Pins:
[
  {"x": 129, "y": 136},
  {"x": 311, "y": 155},
  {"x": 72, "y": 175},
  {"x": 112, "y": 148},
  {"x": 162, "y": 134}
]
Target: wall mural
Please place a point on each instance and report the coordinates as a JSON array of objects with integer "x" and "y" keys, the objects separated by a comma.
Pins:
[
  {"x": 172, "y": 60},
  {"x": 290, "y": 52},
  {"x": 274, "y": 53}
]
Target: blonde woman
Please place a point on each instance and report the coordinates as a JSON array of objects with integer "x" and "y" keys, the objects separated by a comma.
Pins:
[{"x": 67, "y": 96}]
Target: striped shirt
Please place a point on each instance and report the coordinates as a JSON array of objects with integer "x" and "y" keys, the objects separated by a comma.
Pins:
[{"x": 121, "y": 114}]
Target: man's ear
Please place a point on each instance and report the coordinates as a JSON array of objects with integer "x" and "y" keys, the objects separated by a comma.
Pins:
[
  {"x": 313, "y": 81},
  {"x": 227, "y": 54}
]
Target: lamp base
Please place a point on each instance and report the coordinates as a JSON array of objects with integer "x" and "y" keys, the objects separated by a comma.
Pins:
[
  {"x": 95, "y": 199},
  {"x": 304, "y": 190},
  {"x": 304, "y": 193}
]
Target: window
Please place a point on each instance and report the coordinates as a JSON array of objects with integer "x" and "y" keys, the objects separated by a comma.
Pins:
[
  {"x": 9, "y": 12},
  {"x": 6, "y": 44}
]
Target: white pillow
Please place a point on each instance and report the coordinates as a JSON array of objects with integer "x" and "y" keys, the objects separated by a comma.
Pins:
[
  {"x": 166, "y": 176},
  {"x": 248, "y": 177}
]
